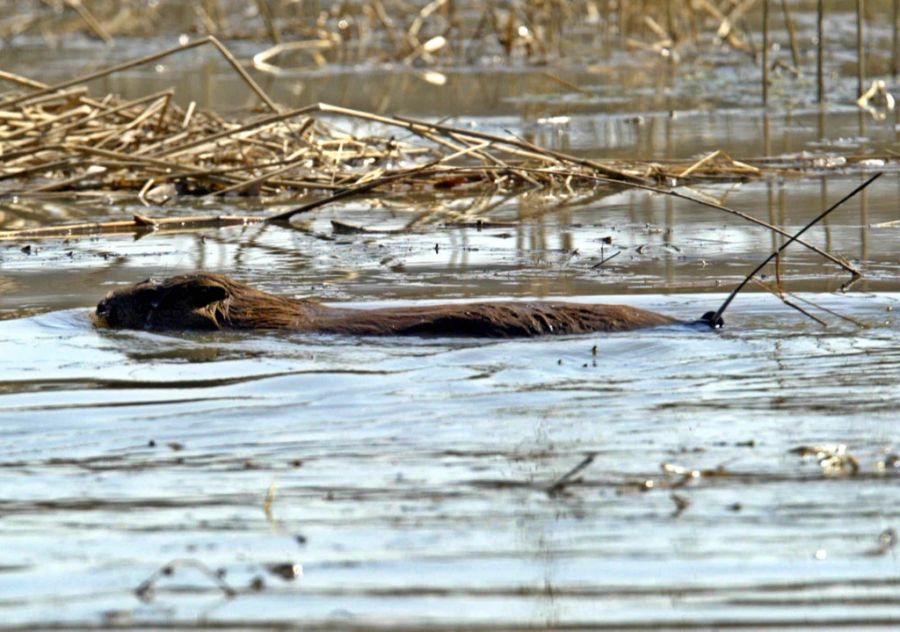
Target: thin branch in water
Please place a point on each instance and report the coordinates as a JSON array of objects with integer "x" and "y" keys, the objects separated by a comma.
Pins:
[
  {"x": 138, "y": 224},
  {"x": 605, "y": 259},
  {"x": 717, "y": 316},
  {"x": 559, "y": 486},
  {"x": 782, "y": 296},
  {"x": 849, "y": 319},
  {"x": 209, "y": 39}
]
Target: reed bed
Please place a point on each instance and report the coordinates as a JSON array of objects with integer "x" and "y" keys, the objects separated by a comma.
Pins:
[
  {"x": 452, "y": 32},
  {"x": 62, "y": 138},
  {"x": 419, "y": 31},
  {"x": 425, "y": 31},
  {"x": 67, "y": 140}
]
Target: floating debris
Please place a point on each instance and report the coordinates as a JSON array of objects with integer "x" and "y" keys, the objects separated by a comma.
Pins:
[
  {"x": 287, "y": 571},
  {"x": 877, "y": 101},
  {"x": 61, "y": 138},
  {"x": 887, "y": 540},
  {"x": 681, "y": 504},
  {"x": 889, "y": 463},
  {"x": 834, "y": 459}
]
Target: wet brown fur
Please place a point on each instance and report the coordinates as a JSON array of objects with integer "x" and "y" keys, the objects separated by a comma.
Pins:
[{"x": 211, "y": 301}]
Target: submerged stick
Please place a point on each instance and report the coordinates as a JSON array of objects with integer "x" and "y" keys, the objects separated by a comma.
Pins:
[
  {"x": 144, "y": 590},
  {"x": 715, "y": 319},
  {"x": 779, "y": 293},
  {"x": 831, "y": 312}
]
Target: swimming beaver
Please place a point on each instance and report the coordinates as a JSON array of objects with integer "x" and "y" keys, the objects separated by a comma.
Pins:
[{"x": 211, "y": 301}]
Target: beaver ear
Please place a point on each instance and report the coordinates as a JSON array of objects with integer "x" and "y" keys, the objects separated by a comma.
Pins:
[{"x": 193, "y": 294}]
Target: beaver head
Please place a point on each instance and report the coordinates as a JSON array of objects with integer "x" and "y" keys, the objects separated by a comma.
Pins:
[
  {"x": 181, "y": 302},
  {"x": 201, "y": 301}
]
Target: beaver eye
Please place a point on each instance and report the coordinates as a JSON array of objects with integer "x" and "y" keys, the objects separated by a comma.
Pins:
[
  {"x": 105, "y": 309},
  {"x": 109, "y": 313}
]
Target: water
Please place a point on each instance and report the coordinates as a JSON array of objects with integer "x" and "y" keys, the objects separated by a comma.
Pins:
[
  {"x": 415, "y": 474},
  {"x": 321, "y": 482}
]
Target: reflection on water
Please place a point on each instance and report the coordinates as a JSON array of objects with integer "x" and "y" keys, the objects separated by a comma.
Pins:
[{"x": 541, "y": 245}]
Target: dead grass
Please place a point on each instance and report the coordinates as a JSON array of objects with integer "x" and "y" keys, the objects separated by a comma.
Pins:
[{"x": 61, "y": 138}]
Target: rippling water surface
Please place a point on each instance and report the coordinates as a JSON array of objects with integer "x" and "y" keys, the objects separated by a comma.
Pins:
[{"x": 410, "y": 482}]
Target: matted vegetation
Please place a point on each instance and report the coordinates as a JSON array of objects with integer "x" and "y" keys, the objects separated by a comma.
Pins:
[{"x": 62, "y": 139}]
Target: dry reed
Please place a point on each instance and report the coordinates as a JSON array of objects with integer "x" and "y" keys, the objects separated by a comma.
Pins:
[{"x": 60, "y": 138}]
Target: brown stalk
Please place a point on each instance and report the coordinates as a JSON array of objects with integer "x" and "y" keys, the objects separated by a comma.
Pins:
[
  {"x": 290, "y": 165},
  {"x": 90, "y": 117},
  {"x": 412, "y": 124},
  {"x": 91, "y": 21},
  {"x": 820, "y": 50},
  {"x": 860, "y": 48},
  {"x": 362, "y": 188},
  {"x": 792, "y": 35},
  {"x": 255, "y": 125},
  {"x": 138, "y": 223},
  {"x": 29, "y": 98},
  {"x": 895, "y": 39},
  {"x": 781, "y": 295}
]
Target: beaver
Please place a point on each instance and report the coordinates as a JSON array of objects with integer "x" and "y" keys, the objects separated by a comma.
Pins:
[{"x": 204, "y": 301}]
